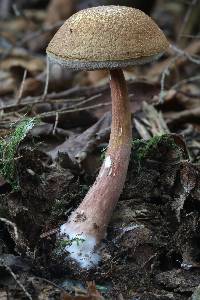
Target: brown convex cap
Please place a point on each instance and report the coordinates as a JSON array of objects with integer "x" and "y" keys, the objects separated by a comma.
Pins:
[{"x": 107, "y": 37}]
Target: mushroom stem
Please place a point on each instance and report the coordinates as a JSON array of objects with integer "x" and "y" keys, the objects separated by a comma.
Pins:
[
  {"x": 90, "y": 220},
  {"x": 121, "y": 129}
]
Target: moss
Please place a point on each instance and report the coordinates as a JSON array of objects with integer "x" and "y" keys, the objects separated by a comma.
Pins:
[
  {"x": 145, "y": 149},
  {"x": 61, "y": 244},
  {"x": 8, "y": 150},
  {"x": 58, "y": 207}
]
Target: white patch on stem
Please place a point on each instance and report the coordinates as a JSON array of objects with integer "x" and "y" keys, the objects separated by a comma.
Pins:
[
  {"x": 108, "y": 162},
  {"x": 107, "y": 165},
  {"x": 81, "y": 247}
]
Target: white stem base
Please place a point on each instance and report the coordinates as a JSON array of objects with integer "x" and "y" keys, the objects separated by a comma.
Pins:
[{"x": 81, "y": 248}]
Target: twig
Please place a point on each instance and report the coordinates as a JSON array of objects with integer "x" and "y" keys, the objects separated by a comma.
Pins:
[
  {"x": 184, "y": 81},
  {"x": 18, "y": 282},
  {"x": 19, "y": 97},
  {"x": 16, "y": 10},
  {"x": 49, "y": 233},
  {"x": 183, "y": 116},
  {"x": 189, "y": 95},
  {"x": 64, "y": 93},
  {"x": 191, "y": 36},
  {"x": 55, "y": 124},
  {"x": 52, "y": 283},
  {"x": 186, "y": 54},
  {"x": 9, "y": 223},
  {"x": 155, "y": 119},
  {"x": 186, "y": 18},
  {"x": 164, "y": 74},
  {"x": 68, "y": 111},
  {"x": 85, "y": 101},
  {"x": 37, "y": 100},
  {"x": 166, "y": 70},
  {"x": 46, "y": 81}
]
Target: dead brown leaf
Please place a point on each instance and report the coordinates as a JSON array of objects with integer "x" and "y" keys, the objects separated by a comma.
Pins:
[
  {"x": 92, "y": 294},
  {"x": 155, "y": 71},
  {"x": 57, "y": 10},
  {"x": 78, "y": 147}
]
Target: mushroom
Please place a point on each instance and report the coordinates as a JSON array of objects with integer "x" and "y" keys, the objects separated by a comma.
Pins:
[{"x": 111, "y": 38}]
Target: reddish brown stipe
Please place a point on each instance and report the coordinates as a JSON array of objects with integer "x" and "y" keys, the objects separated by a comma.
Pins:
[{"x": 93, "y": 214}]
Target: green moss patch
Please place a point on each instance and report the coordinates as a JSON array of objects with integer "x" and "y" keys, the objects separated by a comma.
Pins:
[{"x": 8, "y": 150}]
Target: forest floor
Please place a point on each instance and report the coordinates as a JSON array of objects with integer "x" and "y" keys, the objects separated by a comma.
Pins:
[{"x": 54, "y": 129}]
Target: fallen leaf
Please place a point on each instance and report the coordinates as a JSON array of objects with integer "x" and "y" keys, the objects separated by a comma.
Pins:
[{"x": 92, "y": 294}]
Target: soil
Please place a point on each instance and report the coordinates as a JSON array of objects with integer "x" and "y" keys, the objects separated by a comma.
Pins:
[{"x": 151, "y": 250}]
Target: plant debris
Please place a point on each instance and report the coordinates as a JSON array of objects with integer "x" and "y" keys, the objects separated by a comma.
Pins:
[{"x": 54, "y": 129}]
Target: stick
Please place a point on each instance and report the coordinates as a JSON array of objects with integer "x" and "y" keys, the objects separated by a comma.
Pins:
[
  {"x": 9, "y": 223},
  {"x": 46, "y": 81},
  {"x": 19, "y": 97},
  {"x": 18, "y": 282},
  {"x": 186, "y": 18}
]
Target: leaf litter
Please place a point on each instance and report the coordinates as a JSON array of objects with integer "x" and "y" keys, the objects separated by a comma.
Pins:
[{"x": 152, "y": 250}]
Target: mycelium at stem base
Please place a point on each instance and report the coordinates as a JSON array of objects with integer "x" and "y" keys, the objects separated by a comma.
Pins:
[{"x": 90, "y": 220}]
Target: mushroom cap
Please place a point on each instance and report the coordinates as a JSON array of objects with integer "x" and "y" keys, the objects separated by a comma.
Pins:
[{"x": 107, "y": 37}]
